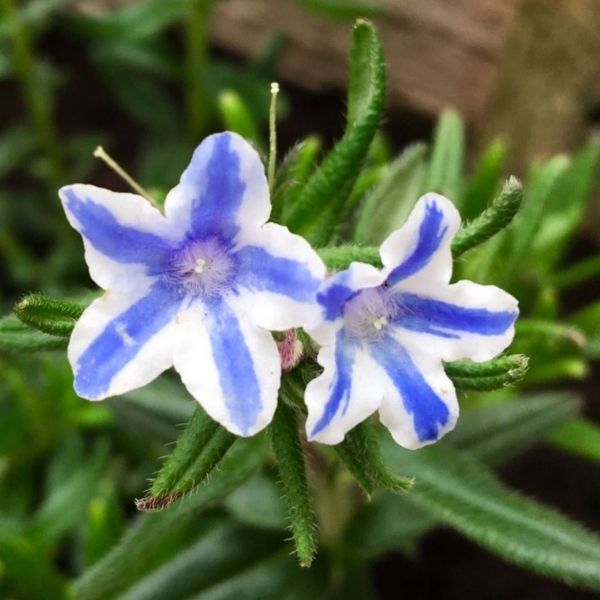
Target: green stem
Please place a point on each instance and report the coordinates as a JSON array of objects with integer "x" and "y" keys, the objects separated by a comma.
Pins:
[
  {"x": 196, "y": 38},
  {"x": 38, "y": 107}
]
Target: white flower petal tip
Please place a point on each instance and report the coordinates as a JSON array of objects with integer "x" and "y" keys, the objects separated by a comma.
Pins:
[
  {"x": 386, "y": 334},
  {"x": 198, "y": 287}
]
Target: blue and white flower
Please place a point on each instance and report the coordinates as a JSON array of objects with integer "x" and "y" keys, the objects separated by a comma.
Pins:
[
  {"x": 198, "y": 288},
  {"x": 385, "y": 334}
]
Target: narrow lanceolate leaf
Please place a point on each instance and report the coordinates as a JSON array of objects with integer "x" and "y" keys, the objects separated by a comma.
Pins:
[
  {"x": 18, "y": 337},
  {"x": 198, "y": 450},
  {"x": 467, "y": 496},
  {"x": 338, "y": 258},
  {"x": 286, "y": 444},
  {"x": 483, "y": 183},
  {"x": 490, "y": 375},
  {"x": 578, "y": 436},
  {"x": 50, "y": 315},
  {"x": 295, "y": 169},
  {"x": 361, "y": 454},
  {"x": 132, "y": 556},
  {"x": 389, "y": 203},
  {"x": 326, "y": 192},
  {"x": 237, "y": 117},
  {"x": 492, "y": 220},
  {"x": 495, "y": 433},
  {"x": 491, "y": 434},
  {"x": 447, "y": 155}
]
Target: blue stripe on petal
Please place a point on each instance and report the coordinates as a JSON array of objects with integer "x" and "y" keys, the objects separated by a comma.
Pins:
[
  {"x": 121, "y": 243},
  {"x": 428, "y": 410},
  {"x": 220, "y": 187},
  {"x": 259, "y": 270},
  {"x": 341, "y": 386},
  {"x": 431, "y": 233},
  {"x": 439, "y": 318},
  {"x": 121, "y": 341},
  {"x": 235, "y": 365}
]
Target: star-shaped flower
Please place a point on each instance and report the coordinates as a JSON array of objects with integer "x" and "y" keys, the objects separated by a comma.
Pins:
[
  {"x": 385, "y": 334},
  {"x": 198, "y": 287}
]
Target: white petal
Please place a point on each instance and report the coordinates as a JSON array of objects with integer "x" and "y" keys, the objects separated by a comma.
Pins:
[
  {"x": 280, "y": 277},
  {"x": 220, "y": 384},
  {"x": 122, "y": 342},
  {"x": 478, "y": 346},
  {"x": 332, "y": 412},
  {"x": 223, "y": 186},
  {"x": 418, "y": 254},
  {"x": 419, "y": 403},
  {"x": 123, "y": 234}
]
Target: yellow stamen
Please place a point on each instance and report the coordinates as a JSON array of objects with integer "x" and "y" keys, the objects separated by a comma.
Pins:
[{"x": 380, "y": 323}]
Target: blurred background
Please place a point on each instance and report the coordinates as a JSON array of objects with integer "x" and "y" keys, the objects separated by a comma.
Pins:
[{"x": 148, "y": 79}]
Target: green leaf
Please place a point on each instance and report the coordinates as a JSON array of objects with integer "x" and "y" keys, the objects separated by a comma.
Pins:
[
  {"x": 29, "y": 572},
  {"x": 338, "y": 258},
  {"x": 236, "y": 117},
  {"x": 138, "y": 21},
  {"x": 16, "y": 144},
  {"x": 198, "y": 451},
  {"x": 361, "y": 454},
  {"x": 49, "y": 315},
  {"x": 492, "y": 220},
  {"x": 66, "y": 505},
  {"x": 490, "y": 375},
  {"x": 17, "y": 337},
  {"x": 315, "y": 211},
  {"x": 491, "y": 434},
  {"x": 538, "y": 190},
  {"x": 343, "y": 9},
  {"x": 483, "y": 183},
  {"x": 498, "y": 432},
  {"x": 578, "y": 436},
  {"x": 447, "y": 155},
  {"x": 104, "y": 524},
  {"x": 134, "y": 553},
  {"x": 295, "y": 169},
  {"x": 464, "y": 494},
  {"x": 258, "y": 503},
  {"x": 287, "y": 447},
  {"x": 566, "y": 206},
  {"x": 389, "y": 203},
  {"x": 222, "y": 552}
]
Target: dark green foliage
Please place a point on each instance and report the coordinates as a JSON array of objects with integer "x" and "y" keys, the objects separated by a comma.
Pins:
[{"x": 288, "y": 451}]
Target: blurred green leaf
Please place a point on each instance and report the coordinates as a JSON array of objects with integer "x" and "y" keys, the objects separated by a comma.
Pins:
[
  {"x": 498, "y": 432},
  {"x": 344, "y": 9},
  {"x": 447, "y": 155},
  {"x": 237, "y": 117},
  {"x": 387, "y": 206},
  {"x": 258, "y": 503},
  {"x": 16, "y": 144},
  {"x": 135, "y": 21},
  {"x": 67, "y": 503},
  {"x": 483, "y": 184},
  {"x": 18, "y": 337},
  {"x": 578, "y": 436},
  {"x": 29, "y": 573},
  {"x": 133, "y": 555}
]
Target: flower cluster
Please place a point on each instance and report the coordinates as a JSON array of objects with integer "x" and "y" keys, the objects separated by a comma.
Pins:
[{"x": 201, "y": 287}]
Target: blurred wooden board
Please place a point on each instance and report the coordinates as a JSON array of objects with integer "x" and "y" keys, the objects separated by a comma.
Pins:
[{"x": 439, "y": 53}]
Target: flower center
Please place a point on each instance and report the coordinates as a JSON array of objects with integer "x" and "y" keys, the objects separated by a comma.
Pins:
[
  {"x": 368, "y": 313},
  {"x": 201, "y": 268}
]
